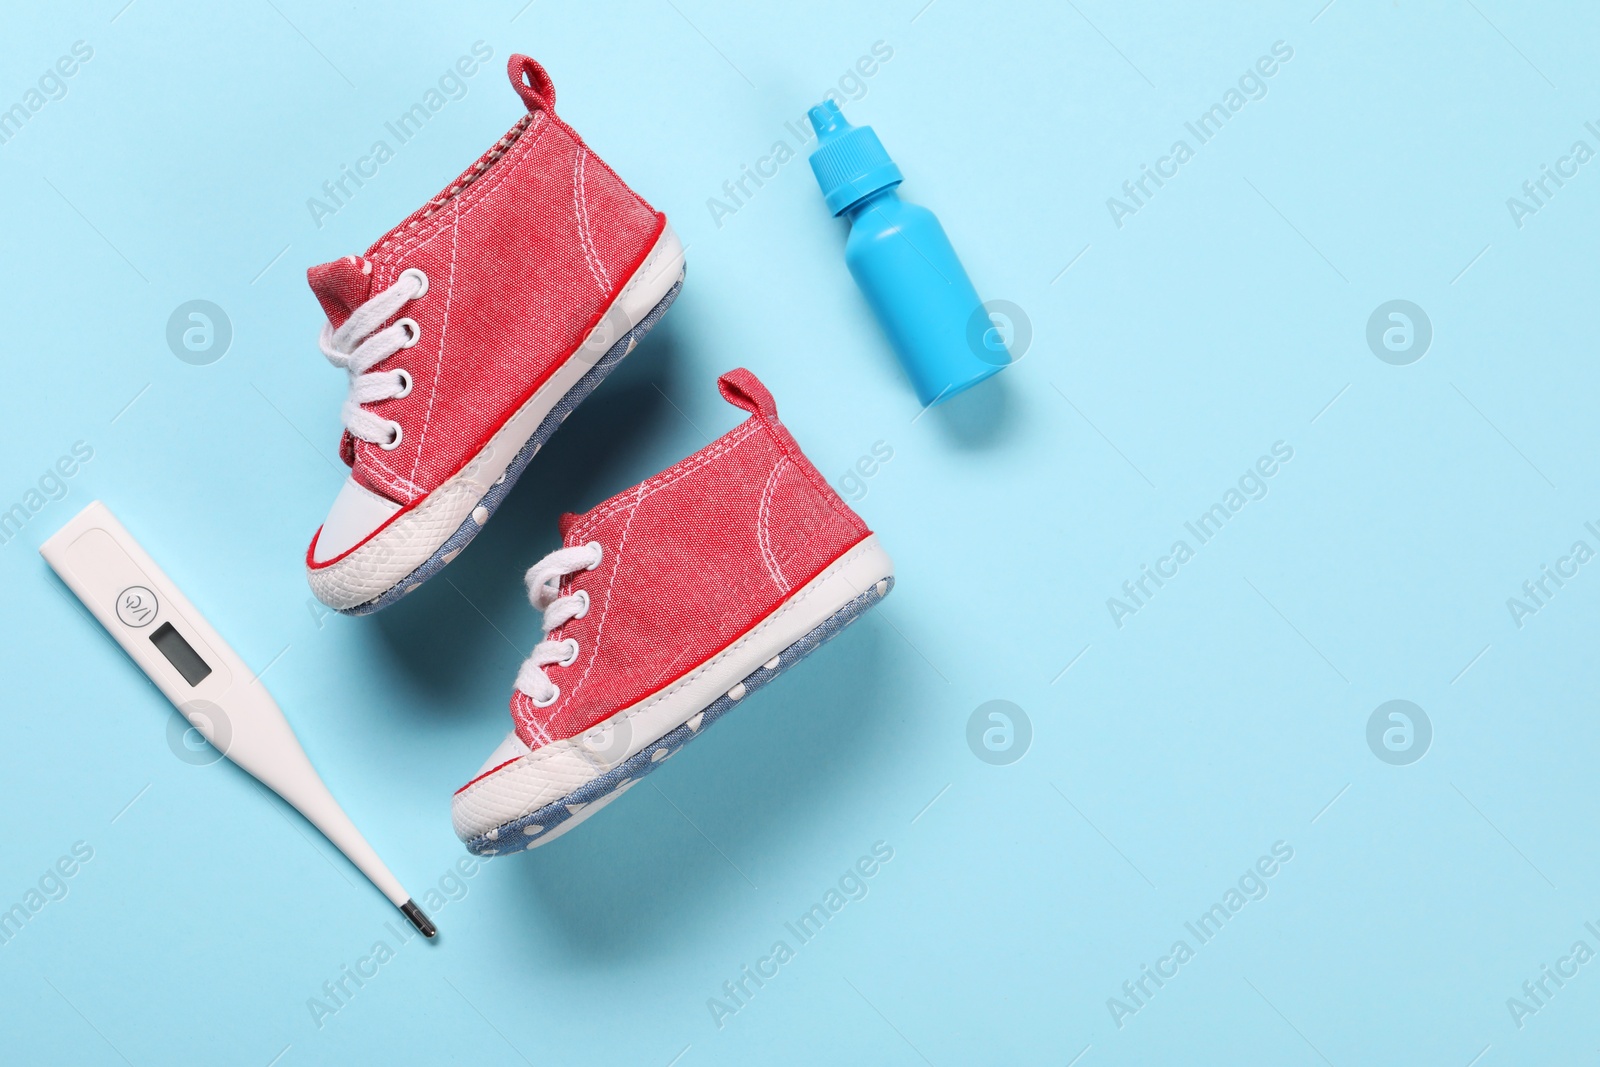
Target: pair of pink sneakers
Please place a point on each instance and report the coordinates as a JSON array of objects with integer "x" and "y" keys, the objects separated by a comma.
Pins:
[{"x": 469, "y": 332}]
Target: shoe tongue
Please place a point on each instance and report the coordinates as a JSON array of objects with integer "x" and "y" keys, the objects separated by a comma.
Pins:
[{"x": 341, "y": 286}]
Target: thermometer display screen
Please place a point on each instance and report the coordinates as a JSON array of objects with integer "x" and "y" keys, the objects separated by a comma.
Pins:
[{"x": 170, "y": 643}]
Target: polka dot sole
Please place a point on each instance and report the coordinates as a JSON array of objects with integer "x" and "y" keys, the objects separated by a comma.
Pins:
[{"x": 556, "y": 818}]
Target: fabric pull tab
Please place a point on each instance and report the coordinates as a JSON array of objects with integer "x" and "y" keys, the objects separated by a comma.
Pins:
[
  {"x": 532, "y": 83},
  {"x": 743, "y": 390}
]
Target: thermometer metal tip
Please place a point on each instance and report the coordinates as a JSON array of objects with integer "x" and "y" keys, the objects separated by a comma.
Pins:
[{"x": 419, "y": 919}]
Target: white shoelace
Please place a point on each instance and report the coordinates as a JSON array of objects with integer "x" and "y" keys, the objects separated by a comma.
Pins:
[
  {"x": 351, "y": 350},
  {"x": 544, "y": 586}
]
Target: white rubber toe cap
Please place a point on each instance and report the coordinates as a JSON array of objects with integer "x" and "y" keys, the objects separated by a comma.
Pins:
[
  {"x": 485, "y": 802},
  {"x": 356, "y": 514}
]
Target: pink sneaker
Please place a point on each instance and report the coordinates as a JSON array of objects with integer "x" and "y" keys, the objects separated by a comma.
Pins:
[
  {"x": 668, "y": 605},
  {"x": 470, "y": 331}
]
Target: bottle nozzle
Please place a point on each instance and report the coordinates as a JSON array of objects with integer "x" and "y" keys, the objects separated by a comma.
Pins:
[
  {"x": 850, "y": 162},
  {"x": 827, "y": 120}
]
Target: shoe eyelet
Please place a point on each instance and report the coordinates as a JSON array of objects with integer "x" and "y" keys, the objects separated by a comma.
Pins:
[
  {"x": 583, "y": 595},
  {"x": 571, "y": 656},
  {"x": 397, "y": 433},
  {"x": 413, "y": 331},
  {"x": 599, "y": 554},
  {"x": 555, "y": 695},
  {"x": 420, "y": 278},
  {"x": 405, "y": 384}
]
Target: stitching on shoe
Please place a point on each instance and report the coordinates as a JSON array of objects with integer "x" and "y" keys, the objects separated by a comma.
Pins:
[
  {"x": 517, "y": 155},
  {"x": 809, "y": 472},
  {"x": 580, "y": 215},
  {"x": 549, "y": 752},
  {"x": 444, "y": 333},
  {"x": 607, "y": 168},
  {"x": 543, "y": 731},
  {"x": 488, "y": 160},
  {"x": 526, "y": 134},
  {"x": 397, "y": 480},
  {"x": 522, "y": 143},
  {"x": 605, "y": 607},
  {"x": 483, "y": 190},
  {"x": 736, "y": 437},
  {"x": 583, "y": 193},
  {"x": 763, "y": 532},
  {"x": 395, "y": 249}
]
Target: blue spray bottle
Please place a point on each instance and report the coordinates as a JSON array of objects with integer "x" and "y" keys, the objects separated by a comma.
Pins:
[{"x": 904, "y": 263}]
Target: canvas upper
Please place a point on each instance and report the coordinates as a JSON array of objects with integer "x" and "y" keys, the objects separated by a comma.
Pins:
[
  {"x": 523, "y": 253},
  {"x": 691, "y": 559}
]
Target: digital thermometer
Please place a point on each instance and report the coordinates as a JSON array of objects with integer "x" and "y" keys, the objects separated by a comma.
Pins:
[{"x": 207, "y": 681}]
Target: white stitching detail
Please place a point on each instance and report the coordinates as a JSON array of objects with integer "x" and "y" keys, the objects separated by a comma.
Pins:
[
  {"x": 397, "y": 481},
  {"x": 517, "y": 154},
  {"x": 404, "y": 245},
  {"x": 763, "y": 535},
  {"x": 524, "y": 146},
  {"x": 539, "y": 726},
  {"x": 605, "y": 609},
  {"x": 444, "y": 331},
  {"x": 737, "y": 437},
  {"x": 580, "y": 213}
]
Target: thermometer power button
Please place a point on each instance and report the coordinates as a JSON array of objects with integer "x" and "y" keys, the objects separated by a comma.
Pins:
[{"x": 137, "y": 606}]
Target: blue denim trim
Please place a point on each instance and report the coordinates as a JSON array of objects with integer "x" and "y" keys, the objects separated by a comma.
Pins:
[
  {"x": 509, "y": 836},
  {"x": 470, "y": 527}
]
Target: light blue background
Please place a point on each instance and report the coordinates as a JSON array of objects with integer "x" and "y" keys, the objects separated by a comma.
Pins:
[{"x": 1228, "y": 714}]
